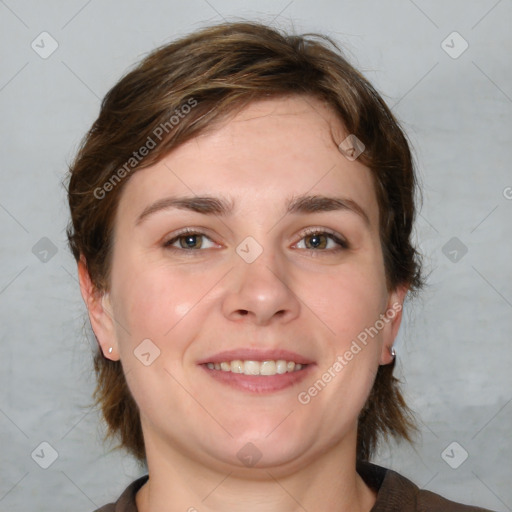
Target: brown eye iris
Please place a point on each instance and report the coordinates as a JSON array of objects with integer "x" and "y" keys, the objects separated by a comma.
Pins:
[
  {"x": 191, "y": 241},
  {"x": 316, "y": 241}
]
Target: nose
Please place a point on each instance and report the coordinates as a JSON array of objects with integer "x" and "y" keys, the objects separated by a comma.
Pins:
[{"x": 260, "y": 293}]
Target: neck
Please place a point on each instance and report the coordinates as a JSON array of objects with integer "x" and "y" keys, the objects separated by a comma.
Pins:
[{"x": 179, "y": 482}]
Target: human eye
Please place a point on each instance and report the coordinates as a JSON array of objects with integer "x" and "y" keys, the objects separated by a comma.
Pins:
[
  {"x": 189, "y": 240},
  {"x": 322, "y": 239}
]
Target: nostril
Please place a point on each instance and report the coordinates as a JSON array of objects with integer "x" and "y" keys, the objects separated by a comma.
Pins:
[{"x": 243, "y": 312}]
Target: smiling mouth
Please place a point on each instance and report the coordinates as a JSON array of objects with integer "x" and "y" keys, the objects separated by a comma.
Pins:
[{"x": 257, "y": 368}]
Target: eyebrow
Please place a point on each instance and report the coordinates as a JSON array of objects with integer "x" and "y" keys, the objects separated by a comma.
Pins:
[{"x": 208, "y": 205}]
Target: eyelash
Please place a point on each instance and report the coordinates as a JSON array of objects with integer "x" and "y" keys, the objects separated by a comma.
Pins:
[
  {"x": 185, "y": 232},
  {"x": 342, "y": 244}
]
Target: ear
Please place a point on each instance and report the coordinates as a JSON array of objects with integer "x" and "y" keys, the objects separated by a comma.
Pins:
[
  {"x": 393, "y": 319},
  {"x": 99, "y": 308}
]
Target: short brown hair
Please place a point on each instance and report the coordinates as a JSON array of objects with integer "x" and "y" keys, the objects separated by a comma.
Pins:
[{"x": 219, "y": 70}]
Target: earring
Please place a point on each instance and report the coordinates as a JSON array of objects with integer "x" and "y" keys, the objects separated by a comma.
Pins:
[
  {"x": 110, "y": 350},
  {"x": 392, "y": 351}
]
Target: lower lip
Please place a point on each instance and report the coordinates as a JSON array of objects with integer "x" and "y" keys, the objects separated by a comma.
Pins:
[{"x": 259, "y": 383}]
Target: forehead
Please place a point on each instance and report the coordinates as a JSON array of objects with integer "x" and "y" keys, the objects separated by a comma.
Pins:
[
  {"x": 271, "y": 149},
  {"x": 281, "y": 121}
]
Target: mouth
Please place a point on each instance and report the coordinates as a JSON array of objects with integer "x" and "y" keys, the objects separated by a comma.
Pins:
[
  {"x": 263, "y": 368},
  {"x": 256, "y": 371}
]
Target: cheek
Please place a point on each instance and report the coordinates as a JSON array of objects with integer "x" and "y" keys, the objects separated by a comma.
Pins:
[
  {"x": 161, "y": 304},
  {"x": 350, "y": 309},
  {"x": 155, "y": 301},
  {"x": 348, "y": 302}
]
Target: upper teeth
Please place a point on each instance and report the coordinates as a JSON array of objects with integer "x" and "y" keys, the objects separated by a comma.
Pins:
[{"x": 256, "y": 367}]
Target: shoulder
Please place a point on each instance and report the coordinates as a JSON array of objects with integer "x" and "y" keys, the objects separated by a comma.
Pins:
[
  {"x": 110, "y": 507},
  {"x": 397, "y": 493},
  {"x": 126, "y": 502}
]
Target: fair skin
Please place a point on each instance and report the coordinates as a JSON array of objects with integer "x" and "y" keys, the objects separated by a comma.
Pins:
[{"x": 197, "y": 296}]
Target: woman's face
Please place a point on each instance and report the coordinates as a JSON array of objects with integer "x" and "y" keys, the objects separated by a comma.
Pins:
[{"x": 256, "y": 242}]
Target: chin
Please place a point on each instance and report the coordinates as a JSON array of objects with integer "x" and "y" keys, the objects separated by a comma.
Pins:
[{"x": 262, "y": 450}]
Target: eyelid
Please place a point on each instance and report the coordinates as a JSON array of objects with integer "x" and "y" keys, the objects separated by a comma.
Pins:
[
  {"x": 171, "y": 238},
  {"x": 337, "y": 237}
]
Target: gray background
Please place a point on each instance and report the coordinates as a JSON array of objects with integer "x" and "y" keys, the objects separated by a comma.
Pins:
[{"x": 454, "y": 351}]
